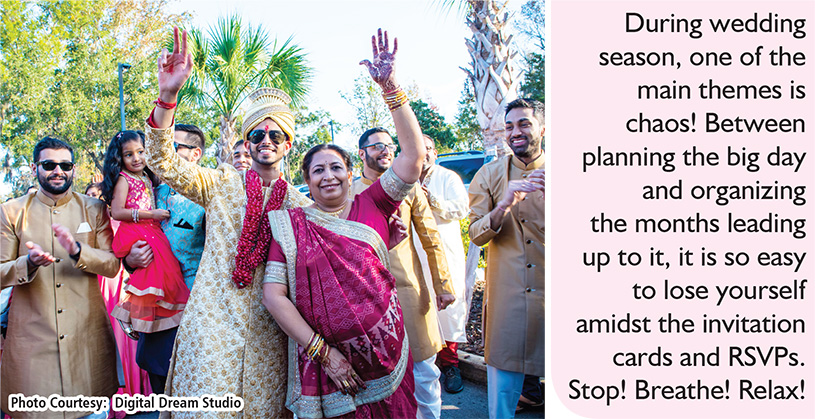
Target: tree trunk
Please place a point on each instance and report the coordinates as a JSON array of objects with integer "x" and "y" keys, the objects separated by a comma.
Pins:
[
  {"x": 494, "y": 72},
  {"x": 227, "y": 141}
]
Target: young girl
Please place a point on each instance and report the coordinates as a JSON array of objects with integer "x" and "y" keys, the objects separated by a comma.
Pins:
[{"x": 157, "y": 294}]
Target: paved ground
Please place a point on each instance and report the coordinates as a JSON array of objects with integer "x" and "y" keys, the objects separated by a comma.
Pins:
[{"x": 471, "y": 403}]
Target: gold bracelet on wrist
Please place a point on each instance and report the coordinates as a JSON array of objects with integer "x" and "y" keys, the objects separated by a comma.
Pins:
[{"x": 395, "y": 99}]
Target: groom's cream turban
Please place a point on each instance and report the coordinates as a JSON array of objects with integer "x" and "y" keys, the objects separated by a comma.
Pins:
[{"x": 269, "y": 103}]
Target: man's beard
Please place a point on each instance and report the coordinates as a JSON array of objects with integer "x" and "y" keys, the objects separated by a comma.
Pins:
[
  {"x": 256, "y": 158},
  {"x": 54, "y": 190},
  {"x": 531, "y": 148},
  {"x": 374, "y": 164}
]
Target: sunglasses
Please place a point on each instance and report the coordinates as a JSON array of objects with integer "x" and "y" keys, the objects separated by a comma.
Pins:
[
  {"x": 189, "y": 147},
  {"x": 257, "y": 136},
  {"x": 49, "y": 165},
  {"x": 381, "y": 146}
]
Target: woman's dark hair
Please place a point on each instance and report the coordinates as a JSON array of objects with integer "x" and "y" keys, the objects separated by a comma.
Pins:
[
  {"x": 317, "y": 148},
  {"x": 113, "y": 163}
]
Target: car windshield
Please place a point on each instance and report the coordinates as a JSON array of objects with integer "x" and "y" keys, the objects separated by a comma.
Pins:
[{"x": 466, "y": 168}]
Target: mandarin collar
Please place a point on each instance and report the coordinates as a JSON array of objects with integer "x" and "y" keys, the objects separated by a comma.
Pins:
[
  {"x": 535, "y": 164},
  {"x": 50, "y": 202},
  {"x": 366, "y": 181}
]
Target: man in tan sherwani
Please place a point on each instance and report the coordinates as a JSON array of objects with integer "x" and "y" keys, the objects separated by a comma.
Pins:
[
  {"x": 53, "y": 244},
  {"x": 421, "y": 319},
  {"x": 507, "y": 212}
]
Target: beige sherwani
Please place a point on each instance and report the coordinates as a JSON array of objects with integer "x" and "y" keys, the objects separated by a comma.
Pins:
[
  {"x": 59, "y": 336},
  {"x": 513, "y": 305},
  {"x": 227, "y": 342},
  {"x": 418, "y": 309}
]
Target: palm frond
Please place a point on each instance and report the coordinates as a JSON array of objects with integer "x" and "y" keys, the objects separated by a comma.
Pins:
[
  {"x": 461, "y": 7},
  {"x": 289, "y": 71},
  {"x": 235, "y": 59}
]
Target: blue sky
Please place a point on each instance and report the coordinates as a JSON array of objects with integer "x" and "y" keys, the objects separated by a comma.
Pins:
[{"x": 336, "y": 36}]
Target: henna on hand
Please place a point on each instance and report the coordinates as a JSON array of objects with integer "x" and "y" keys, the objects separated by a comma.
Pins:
[
  {"x": 381, "y": 70},
  {"x": 342, "y": 373}
]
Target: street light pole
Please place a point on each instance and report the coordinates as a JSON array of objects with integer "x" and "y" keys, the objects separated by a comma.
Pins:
[
  {"x": 331, "y": 123},
  {"x": 121, "y": 67}
]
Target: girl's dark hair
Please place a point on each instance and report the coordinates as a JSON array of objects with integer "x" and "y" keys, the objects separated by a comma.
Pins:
[
  {"x": 317, "y": 148},
  {"x": 113, "y": 163}
]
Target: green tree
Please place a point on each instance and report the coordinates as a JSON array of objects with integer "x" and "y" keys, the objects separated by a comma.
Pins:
[
  {"x": 495, "y": 68},
  {"x": 233, "y": 61},
  {"x": 533, "y": 85},
  {"x": 433, "y": 125},
  {"x": 369, "y": 106},
  {"x": 58, "y": 77},
  {"x": 466, "y": 128},
  {"x": 531, "y": 25}
]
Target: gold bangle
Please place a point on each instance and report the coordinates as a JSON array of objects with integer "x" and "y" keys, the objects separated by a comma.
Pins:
[
  {"x": 395, "y": 99},
  {"x": 315, "y": 349},
  {"x": 310, "y": 343}
]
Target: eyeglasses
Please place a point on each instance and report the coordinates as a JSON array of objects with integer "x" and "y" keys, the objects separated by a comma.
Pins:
[
  {"x": 257, "y": 136},
  {"x": 189, "y": 147},
  {"x": 381, "y": 146},
  {"x": 49, "y": 165}
]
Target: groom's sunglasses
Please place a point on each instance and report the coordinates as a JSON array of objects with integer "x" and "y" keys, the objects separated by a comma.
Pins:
[{"x": 257, "y": 136}]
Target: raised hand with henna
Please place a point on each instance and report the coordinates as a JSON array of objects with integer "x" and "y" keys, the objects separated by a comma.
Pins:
[{"x": 381, "y": 70}]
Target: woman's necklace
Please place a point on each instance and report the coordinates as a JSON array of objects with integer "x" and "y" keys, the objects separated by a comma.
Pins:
[{"x": 333, "y": 213}]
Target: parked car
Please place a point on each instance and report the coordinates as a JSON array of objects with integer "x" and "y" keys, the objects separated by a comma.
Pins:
[{"x": 465, "y": 163}]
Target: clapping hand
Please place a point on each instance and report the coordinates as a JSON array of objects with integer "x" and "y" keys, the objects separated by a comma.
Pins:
[
  {"x": 37, "y": 256},
  {"x": 381, "y": 69},
  {"x": 538, "y": 178},
  {"x": 65, "y": 239}
]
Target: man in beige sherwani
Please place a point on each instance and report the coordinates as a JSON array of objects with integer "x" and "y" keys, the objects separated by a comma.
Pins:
[
  {"x": 227, "y": 341},
  {"x": 507, "y": 211},
  {"x": 376, "y": 148},
  {"x": 53, "y": 244}
]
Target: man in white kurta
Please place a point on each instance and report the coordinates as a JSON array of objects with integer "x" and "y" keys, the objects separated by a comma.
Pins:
[{"x": 449, "y": 202}]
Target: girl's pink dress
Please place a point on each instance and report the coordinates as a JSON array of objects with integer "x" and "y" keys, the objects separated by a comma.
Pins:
[{"x": 157, "y": 294}]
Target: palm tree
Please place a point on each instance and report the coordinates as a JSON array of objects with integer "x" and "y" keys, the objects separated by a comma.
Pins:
[
  {"x": 235, "y": 60},
  {"x": 494, "y": 69}
]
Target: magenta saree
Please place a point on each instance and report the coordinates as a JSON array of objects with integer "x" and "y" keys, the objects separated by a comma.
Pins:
[{"x": 338, "y": 278}]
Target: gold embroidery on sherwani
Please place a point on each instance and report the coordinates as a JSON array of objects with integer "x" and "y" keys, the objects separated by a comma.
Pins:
[{"x": 227, "y": 342}]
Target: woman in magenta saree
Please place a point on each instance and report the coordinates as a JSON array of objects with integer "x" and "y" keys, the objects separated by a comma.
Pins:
[
  {"x": 342, "y": 288},
  {"x": 327, "y": 279}
]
